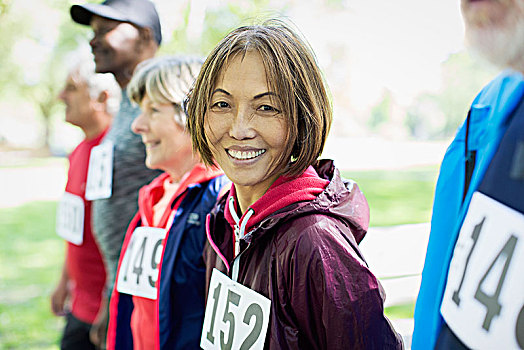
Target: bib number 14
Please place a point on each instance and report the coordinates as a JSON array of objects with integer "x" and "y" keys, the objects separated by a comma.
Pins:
[
  {"x": 236, "y": 317},
  {"x": 484, "y": 298}
]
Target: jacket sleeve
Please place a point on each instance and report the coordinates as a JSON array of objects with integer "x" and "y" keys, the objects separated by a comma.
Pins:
[{"x": 337, "y": 301}]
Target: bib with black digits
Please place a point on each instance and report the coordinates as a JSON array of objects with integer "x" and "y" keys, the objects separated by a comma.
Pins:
[
  {"x": 70, "y": 218},
  {"x": 139, "y": 269},
  {"x": 484, "y": 298},
  {"x": 236, "y": 317},
  {"x": 100, "y": 172}
]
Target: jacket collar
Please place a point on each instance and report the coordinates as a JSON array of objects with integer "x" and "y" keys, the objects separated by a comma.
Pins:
[
  {"x": 150, "y": 194},
  {"x": 340, "y": 198}
]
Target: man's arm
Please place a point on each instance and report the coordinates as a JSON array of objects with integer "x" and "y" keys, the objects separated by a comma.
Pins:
[{"x": 60, "y": 294}]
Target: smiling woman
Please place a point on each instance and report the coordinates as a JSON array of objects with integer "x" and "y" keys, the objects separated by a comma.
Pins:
[{"x": 283, "y": 242}]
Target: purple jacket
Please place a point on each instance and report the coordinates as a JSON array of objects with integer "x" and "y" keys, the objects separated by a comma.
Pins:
[{"x": 305, "y": 258}]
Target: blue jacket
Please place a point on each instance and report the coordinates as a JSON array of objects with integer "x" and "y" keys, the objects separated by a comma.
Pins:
[
  {"x": 487, "y": 117},
  {"x": 181, "y": 286}
]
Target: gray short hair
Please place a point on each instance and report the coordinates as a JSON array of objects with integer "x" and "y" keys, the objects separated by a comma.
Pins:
[
  {"x": 84, "y": 70},
  {"x": 166, "y": 79}
]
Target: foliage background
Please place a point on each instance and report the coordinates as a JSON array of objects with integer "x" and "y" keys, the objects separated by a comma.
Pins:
[{"x": 37, "y": 39}]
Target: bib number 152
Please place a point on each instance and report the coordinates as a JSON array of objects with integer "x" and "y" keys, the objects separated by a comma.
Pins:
[{"x": 236, "y": 317}]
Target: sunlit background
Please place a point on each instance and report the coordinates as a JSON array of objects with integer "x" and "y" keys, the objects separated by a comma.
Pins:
[
  {"x": 397, "y": 70},
  {"x": 401, "y": 82}
]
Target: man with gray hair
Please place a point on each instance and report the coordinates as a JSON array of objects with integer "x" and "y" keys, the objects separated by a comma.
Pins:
[
  {"x": 90, "y": 99},
  {"x": 472, "y": 290}
]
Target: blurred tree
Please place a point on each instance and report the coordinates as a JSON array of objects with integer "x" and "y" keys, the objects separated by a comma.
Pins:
[
  {"x": 204, "y": 23},
  {"x": 34, "y": 46},
  {"x": 4, "y": 7},
  {"x": 10, "y": 28},
  {"x": 36, "y": 38},
  {"x": 381, "y": 112},
  {"x": 437, "y": 115}
]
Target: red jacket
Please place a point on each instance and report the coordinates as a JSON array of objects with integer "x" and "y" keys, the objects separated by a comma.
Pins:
[{"x": 303, "y": 255}]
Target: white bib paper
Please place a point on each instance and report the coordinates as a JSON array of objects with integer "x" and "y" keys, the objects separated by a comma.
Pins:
[
  {"x": 484, "y": 298},
  {"x": 139, "y": 269},
  {"x": 236, "y": 317},
  {"x": 70, "y": 218},
  {"x": 100, "y": 172}
]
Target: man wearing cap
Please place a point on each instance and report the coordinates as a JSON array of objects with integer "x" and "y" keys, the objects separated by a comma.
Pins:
[{"x": 126, "y": 32}]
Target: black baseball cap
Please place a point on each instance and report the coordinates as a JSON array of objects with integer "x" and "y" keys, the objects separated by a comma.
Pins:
[{"x": 138, "y": 12}]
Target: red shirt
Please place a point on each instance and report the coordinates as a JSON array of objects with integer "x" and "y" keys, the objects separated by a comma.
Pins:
[{"x": 84, "y": 262}]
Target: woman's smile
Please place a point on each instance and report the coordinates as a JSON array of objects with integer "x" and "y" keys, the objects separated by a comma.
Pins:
[{"x": 245, "y": 155}]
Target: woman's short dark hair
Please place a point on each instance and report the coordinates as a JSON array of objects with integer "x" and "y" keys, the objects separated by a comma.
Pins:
[{"x": 292, "y": 73}]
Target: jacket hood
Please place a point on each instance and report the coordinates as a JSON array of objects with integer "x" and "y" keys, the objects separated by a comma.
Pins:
[
  {"x": 319, "y": 190},
  {"x": 283, "y": 192},
  {"x": 343, "y": 198}
]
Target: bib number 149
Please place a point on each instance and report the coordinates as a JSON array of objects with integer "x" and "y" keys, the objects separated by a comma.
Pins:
[
  {"x": 236, "y": 317},
  {"x": 138, "y": 272}
]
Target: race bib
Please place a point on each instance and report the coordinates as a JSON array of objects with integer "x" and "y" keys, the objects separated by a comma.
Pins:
[
  {"x": 139, "y": 269},
  {"x": 70, "y": 218},
  {"x": 484, "y": 298},
  {"x": 236, "y": 317},
  {"x": 100, "y": 172}
]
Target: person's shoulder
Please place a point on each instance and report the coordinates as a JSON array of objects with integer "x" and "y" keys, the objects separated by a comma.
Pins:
[
  {"x": 317, "y": 232},
  {"x": 220, "y": 184},
  {"x": 322, "y": 243},
  {"x": 210, "y": 192},
  {"x": 507, "y": 85}
]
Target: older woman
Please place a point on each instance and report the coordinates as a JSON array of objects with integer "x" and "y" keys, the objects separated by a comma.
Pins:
[
  {"x": 287, "y": 270},
  {"x": 158, "y": 299}
]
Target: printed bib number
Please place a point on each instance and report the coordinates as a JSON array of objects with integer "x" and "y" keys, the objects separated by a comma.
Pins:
[
  {"x": 70, "y": 218},
  {"x": 236, "y": 317},
  {"x": 484, "y": 298},
  {"x": 139, "y": 269},
  {"x": 100, "y": 172}
]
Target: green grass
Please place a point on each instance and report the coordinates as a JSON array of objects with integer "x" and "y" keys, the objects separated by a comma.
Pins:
[
  {"x": 31, "y": 255},
  {"x": 397, "y": 197},
  {"x": 400, "y": 311}
]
